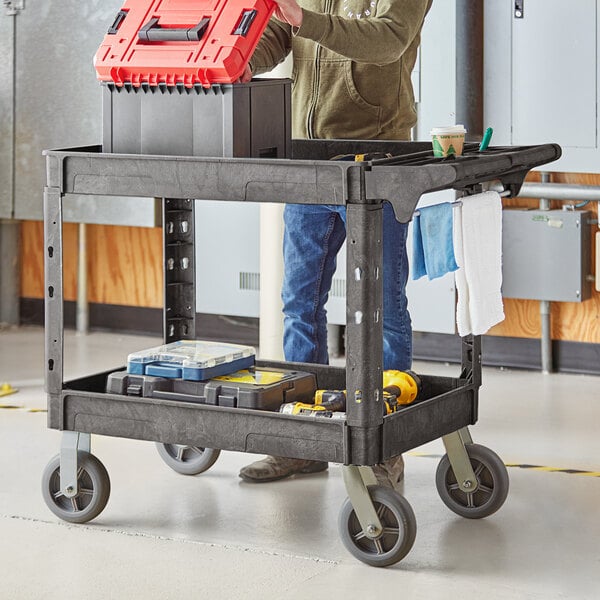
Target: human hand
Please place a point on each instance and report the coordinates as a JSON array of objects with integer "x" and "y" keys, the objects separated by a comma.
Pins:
[
  {"x": 246, "y": 75},
  {"x": 289, "y": 12}
]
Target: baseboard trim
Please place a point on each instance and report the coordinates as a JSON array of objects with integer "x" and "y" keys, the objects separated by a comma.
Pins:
[
  {"x": 509, "y": 352},
  {"x": 102, "y": 317},
  {"x": 140, "y": 320}
]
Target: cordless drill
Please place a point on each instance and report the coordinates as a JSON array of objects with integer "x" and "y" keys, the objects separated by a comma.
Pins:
[{"x": 399, "y": 389}]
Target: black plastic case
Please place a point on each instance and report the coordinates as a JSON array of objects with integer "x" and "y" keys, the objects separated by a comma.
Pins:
[
  {"x": 257, "y": 388},
  {"x": 231, "y": 120}
]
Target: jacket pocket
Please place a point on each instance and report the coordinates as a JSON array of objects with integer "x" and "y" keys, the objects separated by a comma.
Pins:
[{"x": 355, "y": 95}]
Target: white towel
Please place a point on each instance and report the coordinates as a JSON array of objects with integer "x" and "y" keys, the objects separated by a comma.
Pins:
[{"x": 478, "y": 251}]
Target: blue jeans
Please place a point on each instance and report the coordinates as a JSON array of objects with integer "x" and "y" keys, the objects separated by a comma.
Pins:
[{"x": 312, "y": 238}]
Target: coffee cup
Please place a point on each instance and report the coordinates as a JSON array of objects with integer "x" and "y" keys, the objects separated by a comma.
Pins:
[{"x": 448, "y": 140}]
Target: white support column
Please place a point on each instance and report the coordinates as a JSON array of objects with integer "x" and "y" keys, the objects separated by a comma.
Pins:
[{"x": 271, "y": 277}]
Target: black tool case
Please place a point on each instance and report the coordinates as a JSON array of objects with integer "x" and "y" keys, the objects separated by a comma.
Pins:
[
  {"x": 256, "y": 388},
  {"x": 366, "y": 437},
  {"x": 242, "y": 119}
]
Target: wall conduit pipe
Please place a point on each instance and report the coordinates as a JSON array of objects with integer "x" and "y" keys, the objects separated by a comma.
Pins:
[
  {"x": 545, "y": 307},
  {"x": 469, "y": 67},
  {"x": 82, "y": 304},
  {"x": 560, "y": 191}
]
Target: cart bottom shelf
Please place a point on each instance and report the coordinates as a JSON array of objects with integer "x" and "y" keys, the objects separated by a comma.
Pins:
[{"x": 445, "y": 405}]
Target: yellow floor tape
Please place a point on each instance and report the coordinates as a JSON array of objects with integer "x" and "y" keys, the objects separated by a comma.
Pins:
[
  {"x": 7, "y": 389},
  {"x": 21, "y": 407},
  {"x": 524, "y": 466},
  {"x": 557, "y": 470}
]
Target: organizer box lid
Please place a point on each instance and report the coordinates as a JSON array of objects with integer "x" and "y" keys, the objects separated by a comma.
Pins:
[{"x": 197, "y": 354}]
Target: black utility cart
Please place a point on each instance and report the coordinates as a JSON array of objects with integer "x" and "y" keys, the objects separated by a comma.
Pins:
[{"x": 377, "y": 525}]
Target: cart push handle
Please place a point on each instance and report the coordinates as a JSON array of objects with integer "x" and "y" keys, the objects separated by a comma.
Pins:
[{"x": 153, "y": 32}]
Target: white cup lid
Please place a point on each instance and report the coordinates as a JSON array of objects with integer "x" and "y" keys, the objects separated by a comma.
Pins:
[{"x": 448, "y": 130}]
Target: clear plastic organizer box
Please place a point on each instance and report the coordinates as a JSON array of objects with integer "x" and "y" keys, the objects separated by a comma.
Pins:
[{"x": 194, "y": 360}]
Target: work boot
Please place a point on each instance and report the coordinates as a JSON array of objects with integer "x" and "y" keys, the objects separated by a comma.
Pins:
[
  {"x": 390, "y": 473},
  {"x": 272, "y": 468}
]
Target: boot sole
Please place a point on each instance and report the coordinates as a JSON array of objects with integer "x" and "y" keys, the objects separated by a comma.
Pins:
[{"x": 307, "y": 471}]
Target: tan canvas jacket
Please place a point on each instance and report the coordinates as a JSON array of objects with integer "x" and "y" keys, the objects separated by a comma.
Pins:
[{"x": 352, "y": 66}]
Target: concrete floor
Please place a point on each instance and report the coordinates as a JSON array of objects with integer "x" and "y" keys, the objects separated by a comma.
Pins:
[{"x": 164, "y": 535}]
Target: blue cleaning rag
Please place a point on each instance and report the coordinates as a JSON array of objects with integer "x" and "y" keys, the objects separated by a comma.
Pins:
[{"x": 433, "y": 250}]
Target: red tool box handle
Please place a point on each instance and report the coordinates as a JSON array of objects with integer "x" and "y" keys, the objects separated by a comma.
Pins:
[{"x": 153, "y": 32}]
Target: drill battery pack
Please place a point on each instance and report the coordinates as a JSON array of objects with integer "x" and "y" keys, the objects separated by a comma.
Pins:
[
  {"x": 256, "y": 387},
  {"x": 181, "y": 42}
]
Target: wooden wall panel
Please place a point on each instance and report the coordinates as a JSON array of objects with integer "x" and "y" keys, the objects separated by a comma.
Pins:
[
  {"x": 522, "y": 319},
  {"x": 124, "y": 263},
  {"x": 32, "y": 260}
]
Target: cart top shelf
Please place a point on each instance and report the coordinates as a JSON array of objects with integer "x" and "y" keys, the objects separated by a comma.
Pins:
[{"x": 309, "y": 177}]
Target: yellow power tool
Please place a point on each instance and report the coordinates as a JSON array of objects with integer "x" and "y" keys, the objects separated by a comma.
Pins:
[{"x": 399, "y": 389}]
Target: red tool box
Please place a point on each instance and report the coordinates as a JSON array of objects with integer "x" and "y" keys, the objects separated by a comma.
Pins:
[
  {"x": 176, "y": 42},
  {"x": 169, "y": 70}
]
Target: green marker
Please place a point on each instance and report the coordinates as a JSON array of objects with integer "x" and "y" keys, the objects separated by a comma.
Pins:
[{"x": 485, "y": 142}]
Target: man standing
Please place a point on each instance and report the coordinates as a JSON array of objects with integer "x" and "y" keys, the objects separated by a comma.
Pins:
[{"x": 352, "y": 64}]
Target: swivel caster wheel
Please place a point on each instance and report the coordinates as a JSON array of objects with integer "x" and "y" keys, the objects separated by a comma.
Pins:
[
  {"x": 487, "y": 496},
  {"x": 187, "y": 460},
  {"x": 395, "y": 540},
  {"x": 93, "y": 489}
]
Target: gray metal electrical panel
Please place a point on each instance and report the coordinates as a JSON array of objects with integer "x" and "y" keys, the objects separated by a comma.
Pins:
[
  {"x": 227, "y": 258},
  {"x": 58, "y": 97},
  {"x": 546, "y": 255},
  {"x": 542, "y": 77},
  {"x": 6, "y": 113},
  {"x": 432, "y": 304},
  {"x": 47, "y": 49}
]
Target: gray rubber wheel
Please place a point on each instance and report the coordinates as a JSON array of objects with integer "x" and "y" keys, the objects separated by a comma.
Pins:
[
  {"x": 399, "y": 529},
  {"x": 188, "y": 460},
  {"x": 492, "y": 479},
  {"x": 93, "y": 485}
]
